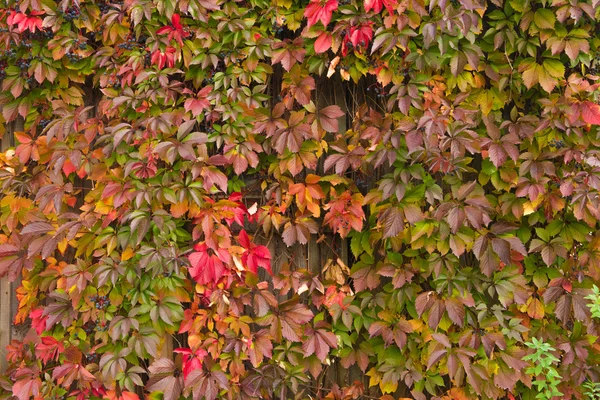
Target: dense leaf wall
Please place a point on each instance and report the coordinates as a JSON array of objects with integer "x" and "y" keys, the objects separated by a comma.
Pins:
[{"x": 450, "y": 146}]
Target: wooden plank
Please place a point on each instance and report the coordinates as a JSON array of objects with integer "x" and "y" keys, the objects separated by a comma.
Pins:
[
  {"x": 166, "y": 351},
  {"x": 6, "y": 296},
  {"x": 314, "y": 258},
  {"x": 8, "y": 302}
]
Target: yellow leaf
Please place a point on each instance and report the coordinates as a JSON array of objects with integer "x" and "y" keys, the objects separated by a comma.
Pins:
[
  {"x": 62, "y": 246},
  {"x": 417, "y": 325},
  {"x": 127, "y": 254},
  {"x": 7, "y": 200},
  {"x": 531, "y": 206},
  {"x": 485, "y": 101},
  {"x": 111, "y": 245},
  {"x": 103, "y": 208},
  {"x": 389, "y": 386},
  {"x": 194, "y": 341},
  {"x": 384, "y": 76},
  {"x": 375, "y": 377},
  {"x": 20, "y": 204}
]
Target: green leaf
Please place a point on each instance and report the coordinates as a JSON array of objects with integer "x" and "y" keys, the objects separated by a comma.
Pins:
[{"x": 544, "y": 18}]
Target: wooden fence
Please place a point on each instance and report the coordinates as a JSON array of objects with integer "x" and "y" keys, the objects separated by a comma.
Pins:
[{"x": 312, "y": 256}]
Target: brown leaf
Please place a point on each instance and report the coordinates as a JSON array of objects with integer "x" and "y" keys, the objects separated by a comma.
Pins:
[{"x": 456, "y": 311}]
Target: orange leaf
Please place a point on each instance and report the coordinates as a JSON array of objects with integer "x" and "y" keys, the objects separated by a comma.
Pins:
[
  {"x": 590, "y": 112},
  {"x": 535, "y": 308}
]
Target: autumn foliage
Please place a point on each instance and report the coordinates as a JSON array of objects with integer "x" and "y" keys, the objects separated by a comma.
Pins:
[{"x": 179, "y": 162}]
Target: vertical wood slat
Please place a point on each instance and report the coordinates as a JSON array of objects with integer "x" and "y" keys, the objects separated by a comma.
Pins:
[
  {"x": 8, "y": 301},
  {"x": 6, "y": 295}
]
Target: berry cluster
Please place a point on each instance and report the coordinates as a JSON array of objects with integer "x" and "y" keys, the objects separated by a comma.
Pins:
[
  {"x": 559, "y": 144},
  {"x": 23, "y": 64},
  {"x": 44, "y": 123},
  {"x": 101, "y": 302},
  {"x": 378, "y": 89},
  {"x": 277, "y": 28},
  {"x": 102, "y": 327},
  {"x": 10, "y": 52},
  {"x": 72, "y": 57},
  {"x": 80, "y": 43},
  {"x": 71, "y": 13},
  {"x": 95, "y": 36},
  {"x": 105, "y": 8},
  {"x": 47, "y": 33},
  {"x": 92, "y": 358},
  {"x": 128, "y": 45}
]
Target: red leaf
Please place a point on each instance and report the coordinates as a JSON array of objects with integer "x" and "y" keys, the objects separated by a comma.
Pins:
[
  {"x": 207, "y": 385},
  {"x": 38, "y": 320},
  {"x": 198, "y": 103},
  {"x": 317, "y": 10},
  {"x": 25, "y": 22},
  {"x": 192, "y": 360},
  {"x": 361, "y": 35},
  {"x": 377, "y": 5},
  {"x": 255, "y": 256},
  {"x": 323, "y": 42},
  {"x": 206, "y": 267},
  {"x": 590, "y": 112},
  {"x": 175, "y": 21},
  {"x": 48, "y": 349},
  {"x": 175, "y": 30}
]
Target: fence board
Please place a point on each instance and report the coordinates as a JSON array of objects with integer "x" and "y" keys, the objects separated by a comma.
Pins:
[
  {"x": 6, "y": 295},
  {"x": 8, "y": 301}
]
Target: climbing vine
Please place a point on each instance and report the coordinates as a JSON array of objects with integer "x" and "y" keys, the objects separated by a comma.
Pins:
[{"x": 445, "y": 152}]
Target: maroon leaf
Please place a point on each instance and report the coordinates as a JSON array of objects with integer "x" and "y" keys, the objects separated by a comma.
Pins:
[
  {"x": 259, "y": 347},
  {"x": 319, "y": 342},
  {"x": 166, "y": 378}
]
